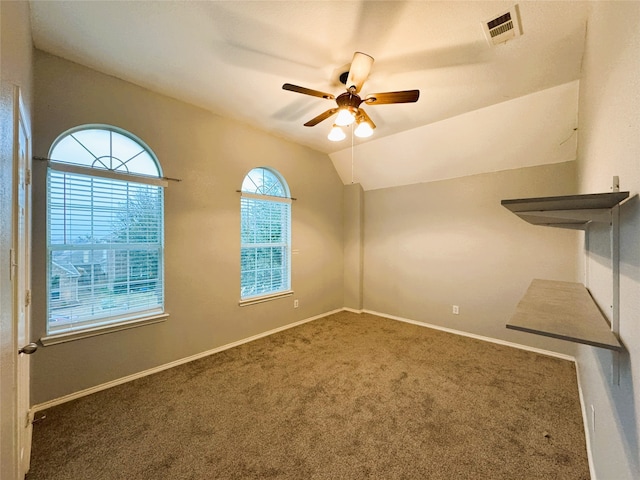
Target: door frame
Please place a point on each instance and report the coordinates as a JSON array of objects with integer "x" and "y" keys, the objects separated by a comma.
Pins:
[
  {"x": 21, "y": 226},
  {"x": 10, "y": 112}
]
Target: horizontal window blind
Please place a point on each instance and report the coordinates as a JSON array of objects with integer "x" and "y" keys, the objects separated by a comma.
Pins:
[
  {"x": 105, "y": 250},
  {"x": 265, "y": 246}
]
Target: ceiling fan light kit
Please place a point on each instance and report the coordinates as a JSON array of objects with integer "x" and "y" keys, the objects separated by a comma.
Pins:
[
  {"x": 348, "y": 103},
  {"x": 363, "y": 130},
  {"x": 346, "y": 117},
  {"x": 336, "y": 134}
]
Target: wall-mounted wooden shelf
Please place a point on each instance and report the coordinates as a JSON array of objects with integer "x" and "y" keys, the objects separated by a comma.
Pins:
[
  {"x": 563, "y": 310},
  {"x": 571, "y": 211}
]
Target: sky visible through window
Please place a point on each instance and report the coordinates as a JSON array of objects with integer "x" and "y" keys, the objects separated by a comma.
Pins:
[
  {"x": 105, "y": 235},
  {"x": 94, "y": 210},
  {"x": 264, "y": 234},
  {"x": 263, "y": 182},
  {"x": 73, "y": 206},
  {"x": 105, "y": 149}
]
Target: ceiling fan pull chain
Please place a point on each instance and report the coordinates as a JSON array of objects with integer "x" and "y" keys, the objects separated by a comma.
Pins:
[{"x": 352, "y": 156}]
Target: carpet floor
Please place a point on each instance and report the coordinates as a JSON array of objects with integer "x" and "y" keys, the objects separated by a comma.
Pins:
[{"x": 348, "y": 396}]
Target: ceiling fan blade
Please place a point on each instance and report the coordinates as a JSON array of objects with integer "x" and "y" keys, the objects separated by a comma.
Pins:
[
  {"x": 321, "y": 117},
  {"x": 366, "y": 117},
  {"x": 406, "y": 96},
  {"x": 307, "y": 91},
  {"x": 359, "y": 70}
]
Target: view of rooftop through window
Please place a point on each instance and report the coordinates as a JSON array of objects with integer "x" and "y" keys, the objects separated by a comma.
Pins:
[{"x": 105, "y": 235}]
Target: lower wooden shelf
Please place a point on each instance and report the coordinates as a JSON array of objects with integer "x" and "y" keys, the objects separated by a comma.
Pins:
[{"x": 563, "y": 310}]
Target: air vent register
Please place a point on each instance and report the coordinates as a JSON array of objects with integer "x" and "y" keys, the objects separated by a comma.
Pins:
[{"x": 503, "y": 27}]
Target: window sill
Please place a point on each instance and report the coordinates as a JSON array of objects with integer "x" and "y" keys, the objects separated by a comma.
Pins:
[
  {"x": 264, "y": 298},
  {"x": 57, "y": 338}
]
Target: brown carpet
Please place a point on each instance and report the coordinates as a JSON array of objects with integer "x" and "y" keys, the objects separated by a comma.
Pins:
[{"x": 344, "y": 397}]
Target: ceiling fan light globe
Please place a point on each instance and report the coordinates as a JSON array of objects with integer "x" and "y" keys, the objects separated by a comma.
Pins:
[
  {"x": 345, "y": 117},
  {"x": 363, "y": 130},
  {"x": 336, "y": 134}
]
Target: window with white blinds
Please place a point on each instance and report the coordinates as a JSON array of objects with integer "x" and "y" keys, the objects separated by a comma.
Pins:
[
  {"x": 104, "y": 231},
  {"x": 265, "y": 258}
]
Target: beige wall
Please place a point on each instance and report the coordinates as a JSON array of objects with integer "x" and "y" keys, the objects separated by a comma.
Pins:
[
  {"x": 426, "y": 247},
  {"x": 434, "y": 245},
  {"x": 353, "y": 245},
  {"x": 609, "y": 144},
  {"x": 15, "y": 69},
  {"x": 211, "y": 156}
]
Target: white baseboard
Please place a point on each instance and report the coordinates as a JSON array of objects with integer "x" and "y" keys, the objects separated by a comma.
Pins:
[
  {"x": 151, "y": 371},
  {"x": 352, "y": 310},
  {"x": 585, "y": 421},
  {"x": 583, "y": 407},
  {"x": 541, "y": 351}
]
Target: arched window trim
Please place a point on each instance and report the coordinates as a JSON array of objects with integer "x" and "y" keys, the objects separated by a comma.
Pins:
[
  {"x": 282, "y": 247},
  {"x": 68, "y": 165},
  {"x": 112, "y": 129},
  {"x": 268, "y": 193},
  {"x": 78, "y": 181}
]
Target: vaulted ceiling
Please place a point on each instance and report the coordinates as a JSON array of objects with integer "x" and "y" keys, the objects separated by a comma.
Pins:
[{"x": 482, "y": 108}]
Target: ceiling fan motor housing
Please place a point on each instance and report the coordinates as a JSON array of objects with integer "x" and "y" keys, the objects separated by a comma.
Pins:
[{"x": 347, "y": 100}]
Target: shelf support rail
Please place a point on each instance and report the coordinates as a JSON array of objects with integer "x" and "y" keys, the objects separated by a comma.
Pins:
[{"x": 615, "y": 272}]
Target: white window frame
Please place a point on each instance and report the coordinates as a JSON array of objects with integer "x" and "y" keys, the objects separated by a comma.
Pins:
[
  {"x": 107, "y": 167},
  {"x": 256, "y": 197}
]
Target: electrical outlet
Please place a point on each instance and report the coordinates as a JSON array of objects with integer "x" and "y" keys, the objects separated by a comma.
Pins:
[
  {"x": 295, "y": 303},
  {"x": 456, "y": 310}
]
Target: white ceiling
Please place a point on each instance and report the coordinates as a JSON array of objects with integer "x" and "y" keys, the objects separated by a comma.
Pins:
[{"x": 481, "y": 108}]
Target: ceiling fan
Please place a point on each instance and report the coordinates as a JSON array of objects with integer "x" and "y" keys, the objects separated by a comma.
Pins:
[{"x": 348, "y": 103}]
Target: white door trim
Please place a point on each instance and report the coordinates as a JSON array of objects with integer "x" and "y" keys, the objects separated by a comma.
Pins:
[{"x": 21, "y": 274}]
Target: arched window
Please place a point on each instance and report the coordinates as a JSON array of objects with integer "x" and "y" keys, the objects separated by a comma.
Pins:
[
  {"x": 265, "y": 259},
  {"x": 105, "y": 238}
]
